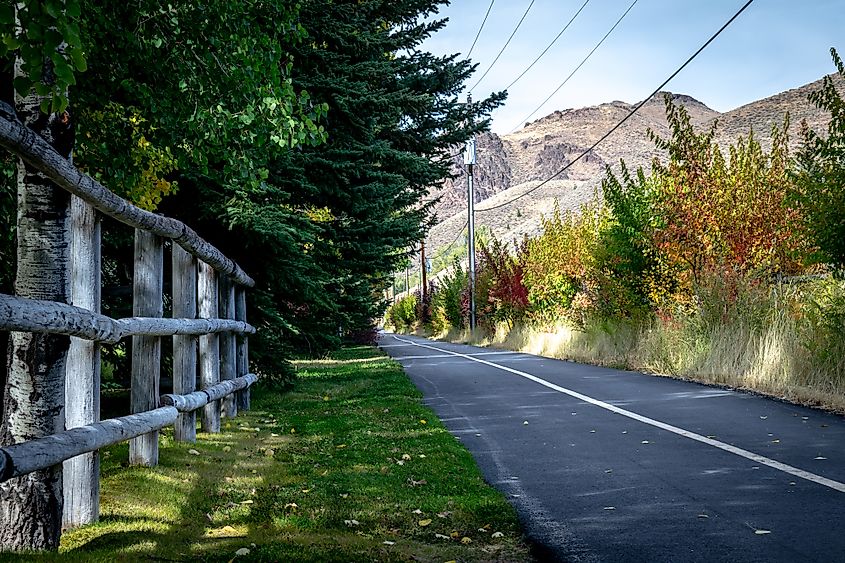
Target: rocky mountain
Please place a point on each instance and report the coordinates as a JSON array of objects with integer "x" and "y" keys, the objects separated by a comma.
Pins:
[{"x": 512, "y": 164}]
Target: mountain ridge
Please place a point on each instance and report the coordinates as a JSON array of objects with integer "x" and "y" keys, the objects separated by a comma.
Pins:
[{"x": 511, "y": 164}]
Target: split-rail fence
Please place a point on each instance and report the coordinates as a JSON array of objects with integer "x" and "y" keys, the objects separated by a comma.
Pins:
[{"x": 208, "y": 328}]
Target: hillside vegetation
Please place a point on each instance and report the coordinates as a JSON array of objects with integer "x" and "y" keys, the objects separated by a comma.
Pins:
[{"x": 722, "y": 263}]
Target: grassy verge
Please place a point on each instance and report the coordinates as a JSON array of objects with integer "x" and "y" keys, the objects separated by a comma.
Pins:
[
  {"x": 774, "y": 359},
  {"x": 349, "y": 466}
]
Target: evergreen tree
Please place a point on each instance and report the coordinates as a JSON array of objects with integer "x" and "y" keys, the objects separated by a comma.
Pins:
[{"x": 393, "y": 121}]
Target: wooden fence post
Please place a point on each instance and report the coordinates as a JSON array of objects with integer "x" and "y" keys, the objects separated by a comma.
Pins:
[
  {"x": 82, "y": 380},
  {"x": 228, "y": 351},
  {"x": 242, "y": 346},
  {"x": 146, "y": 350},
  {"x": 209, "y": 345},
  {"x": 184, "y": 347}
]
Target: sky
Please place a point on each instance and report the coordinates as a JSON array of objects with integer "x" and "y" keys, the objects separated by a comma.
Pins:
[{"x": 773, "y": 46}]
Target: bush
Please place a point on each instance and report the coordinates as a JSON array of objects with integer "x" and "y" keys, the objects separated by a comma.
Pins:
[{"x": 402, "y": 315}]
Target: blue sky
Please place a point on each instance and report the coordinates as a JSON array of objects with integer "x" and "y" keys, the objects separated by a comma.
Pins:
[{"x": 773, "y": 46}]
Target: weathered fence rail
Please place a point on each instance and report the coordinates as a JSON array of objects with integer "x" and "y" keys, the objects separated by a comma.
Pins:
[{"x": 208, "y": 328}]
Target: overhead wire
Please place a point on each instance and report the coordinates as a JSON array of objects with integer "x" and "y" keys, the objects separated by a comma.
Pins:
[
  {"x": 628, "y": 116},
  {"x": 477, "y": 35},
  {"x": 518, "y": 25},
  {"x": 584, "y": 60},
  {"x": 550, "y": 45}
]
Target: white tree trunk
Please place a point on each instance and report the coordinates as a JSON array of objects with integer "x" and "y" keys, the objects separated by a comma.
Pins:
[{"x": 33, "y": 400}]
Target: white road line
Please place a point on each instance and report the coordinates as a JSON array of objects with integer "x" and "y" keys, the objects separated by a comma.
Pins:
[
  {"x": 757, "y": 458},
  {"x": 397, "y": 358}
]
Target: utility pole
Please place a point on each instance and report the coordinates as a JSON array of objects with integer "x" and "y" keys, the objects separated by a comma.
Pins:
[
  {"x": 422, "y": 270},
  {"x": 469, "y": 161}
]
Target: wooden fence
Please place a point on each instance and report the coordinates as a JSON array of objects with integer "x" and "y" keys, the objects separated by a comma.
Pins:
[{"x": 208, "y": 328}]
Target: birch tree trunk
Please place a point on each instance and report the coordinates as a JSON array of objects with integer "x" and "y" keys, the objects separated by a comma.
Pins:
[{"x": 33, "y": 399}]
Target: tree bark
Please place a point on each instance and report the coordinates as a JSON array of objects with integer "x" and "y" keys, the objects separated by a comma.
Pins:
[{"x": 33, "y": 398}]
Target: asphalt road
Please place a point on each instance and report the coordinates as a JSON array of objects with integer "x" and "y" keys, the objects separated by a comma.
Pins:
[{"x": 610, "y": 465}]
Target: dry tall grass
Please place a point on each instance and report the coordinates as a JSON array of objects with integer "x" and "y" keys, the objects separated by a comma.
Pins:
[{"x": 791, "y": 346}]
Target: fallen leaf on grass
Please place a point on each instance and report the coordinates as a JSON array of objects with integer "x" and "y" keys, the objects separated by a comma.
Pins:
[
  {"x": 417, "y": 511},
  {"x": 326, "y": 398},
  {"x": 269, "y": 452},
  {"x": 406, "y": 457},
  {"x": 227, "y": 448},
  {"x": 291, "y": 506},
  {"x": 466, "y": 541},
  {"x": 414, "y": 483},
  {"x": 422, "y": 456},
  {"x": 455, "y": 535},
  {"x": 340, "y": 447},
  {"x": 425, "y": 522},
  {"x": 293, "y": 430},
  {"x": 248, "y": 501},
  {"x": 242, "y": 551},
  {"x": 344, "y": 495},
  {"x": 441, "y": 537},
  {"x": 389, "y": 542},
  {"x": 193, "y": 452},
  {"x": 483, "y": 531},
  {"x": 400, "y": 462},
  {"x": 444, "y": 514},
  {"x": 497, "y": 535},
  {"x": 422, "y": 421},
  {"x": 351, "y": 523}
]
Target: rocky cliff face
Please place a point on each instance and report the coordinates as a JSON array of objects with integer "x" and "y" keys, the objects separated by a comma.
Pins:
[{"x": 512, "y": 164}]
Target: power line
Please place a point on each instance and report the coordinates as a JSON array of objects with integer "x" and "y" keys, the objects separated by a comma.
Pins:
[
  {"x": 546, "y": 50},
  {"x": 631, "y": 113},
  {"x": 505, "y": 47},
  {"x": 571, "y": 74},
  {"x": 477, "y": 35}
]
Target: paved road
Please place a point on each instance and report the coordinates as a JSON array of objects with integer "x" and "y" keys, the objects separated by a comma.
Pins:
[{"x": 609, "y": 465}]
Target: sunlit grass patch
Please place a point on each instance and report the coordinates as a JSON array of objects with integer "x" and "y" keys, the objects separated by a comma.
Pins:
[{"x": 347, "y": 466}]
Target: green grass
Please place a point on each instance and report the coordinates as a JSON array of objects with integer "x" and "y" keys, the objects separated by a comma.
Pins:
[{"x": 326, "y": 472}]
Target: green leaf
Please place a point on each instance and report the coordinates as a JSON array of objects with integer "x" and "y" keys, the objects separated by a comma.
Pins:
[
  {"x": 7, "y": 14},
  {"x": 11, "y": 42},
  {"x": 53, "y": 8},
  {"x": 72, "y": 8},
  {"x": 22, "y": 85},
  {"x": 78, "y": 57}
]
